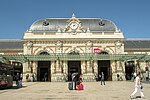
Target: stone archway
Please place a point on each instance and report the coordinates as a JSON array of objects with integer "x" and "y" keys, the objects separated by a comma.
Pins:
[
  {"x": 129, "y": 69},
  {"x": 73, "y": 66},
  {"x": 44, "y": 69},
  {"x": 104, "y": 66}
]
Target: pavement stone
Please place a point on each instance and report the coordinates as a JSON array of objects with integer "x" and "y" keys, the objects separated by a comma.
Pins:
[{"x": 113, "y": 90}]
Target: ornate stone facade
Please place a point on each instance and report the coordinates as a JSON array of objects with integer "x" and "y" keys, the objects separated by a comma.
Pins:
[
  {"x": 52, "y": 49},
  {"x": 75, "y": 38}
]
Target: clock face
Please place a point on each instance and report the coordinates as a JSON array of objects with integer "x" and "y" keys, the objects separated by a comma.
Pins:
[{"x": 74, "y": 25}]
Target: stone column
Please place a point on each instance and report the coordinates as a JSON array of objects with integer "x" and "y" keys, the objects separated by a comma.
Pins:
[
  {"x": 120, "y": 64},
  {"x": 89, "y": 46},
  {"x": 26, "y": 70},
  {"x": 58, "y": 66},
  {"x": 83, "y": 67},
  {"x": 27, "y": 47},
  {"x": 114, "y": 70},
  {"x": 95, "y": 67},
  {"x": 65, "y": 70},
  {"x": 89, "y": 76},
  {"x": 35, "y": 65},
  {"x": 58, "y": 76},
  {"x": 121, "y": 69}
]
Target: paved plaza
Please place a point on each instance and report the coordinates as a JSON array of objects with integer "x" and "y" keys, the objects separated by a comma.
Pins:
[{"x": 59, "y": 91}]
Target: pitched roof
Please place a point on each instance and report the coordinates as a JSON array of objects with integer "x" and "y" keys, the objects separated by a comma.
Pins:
[
  {"x": 137, "y": 44},
  {"x": 129, "y": 45},
  {"x": 11, "y": 44}
]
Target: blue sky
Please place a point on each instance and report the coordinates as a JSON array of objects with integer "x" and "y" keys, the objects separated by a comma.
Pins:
[{"x": 130, "y": 16}]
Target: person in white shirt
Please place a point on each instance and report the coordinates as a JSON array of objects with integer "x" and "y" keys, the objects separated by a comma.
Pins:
[
  {"x": 137, "y": 86},
  {"x": 134, "y": 75}
]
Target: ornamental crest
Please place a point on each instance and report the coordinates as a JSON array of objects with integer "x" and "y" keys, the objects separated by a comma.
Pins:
[{"x": 74, "y": 26}]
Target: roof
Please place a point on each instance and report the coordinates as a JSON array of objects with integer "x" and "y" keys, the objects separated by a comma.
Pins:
[
  {"x": 11, "y": 44},
  {"x": 53, "y": 24},
  {"x": 137, "y": 44},
  {"x": 129, "y": 44}
]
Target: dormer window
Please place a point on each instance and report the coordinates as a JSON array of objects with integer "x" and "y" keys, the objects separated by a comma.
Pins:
[
  {"x": 101, "y": 23},
  {"x": 45, "y": 23}
]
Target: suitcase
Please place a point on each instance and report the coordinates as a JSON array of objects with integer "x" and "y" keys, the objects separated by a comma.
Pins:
[
  {"x": 70, "y": 85},
  {"x": 80, "y": 87}
]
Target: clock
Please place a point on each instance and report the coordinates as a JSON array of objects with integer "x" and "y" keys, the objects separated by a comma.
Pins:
[{"x": 73, "y": 25}]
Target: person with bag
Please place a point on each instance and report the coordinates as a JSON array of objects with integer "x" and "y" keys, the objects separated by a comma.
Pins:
[
  {"x": 80, "y": 86},
  {"x": 138, "y": 86}
]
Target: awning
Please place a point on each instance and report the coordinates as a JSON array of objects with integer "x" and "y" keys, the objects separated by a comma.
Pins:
[{"x": 85, "y": 56}]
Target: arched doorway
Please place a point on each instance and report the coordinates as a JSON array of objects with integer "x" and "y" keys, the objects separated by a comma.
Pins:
[
  {"x": 129, "y": 69},
  {"x": 104, "y": 66},
  {"x": 17, "y": 68},
  {"x": 73, "y": 66},
  {"x": 44, "y": 70}
]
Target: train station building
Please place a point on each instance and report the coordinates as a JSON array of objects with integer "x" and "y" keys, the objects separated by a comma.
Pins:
[{"x": 59, "y": 47}]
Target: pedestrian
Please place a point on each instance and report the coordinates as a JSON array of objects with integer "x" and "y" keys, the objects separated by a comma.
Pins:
[
  {"x": 102, "y": 78},
  {"x": 118, "y": 77},
  {"x": 17, "y": 79},
  {"x": 99, "y": 77},
  {"x": 33, "y": 76},
  {"x": 134, "y": 75},
  {"x": 27, "y": 77},
  {"x": 76, "y": 79},
  {"x": 20, "y": 80},
  {"x": 96, "y": 77},
  {"x": 138, "y": 86},
  {"x": 79, "y": 85},
  {"x": 45, "y": 77}
]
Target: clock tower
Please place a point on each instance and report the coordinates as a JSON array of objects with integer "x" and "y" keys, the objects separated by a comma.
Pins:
[{"x": 74, "y": 26}]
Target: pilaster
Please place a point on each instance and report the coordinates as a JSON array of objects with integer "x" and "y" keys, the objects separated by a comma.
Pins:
[
  {"x": 120, "y": 71},
  {"x": 89, "y": 76},
  {"x": 58, "y": 76}
]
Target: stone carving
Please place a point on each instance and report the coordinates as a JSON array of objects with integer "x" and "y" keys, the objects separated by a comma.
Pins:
[
  {"x": 59, "y": 44},
  {"x": 29, "y": 44},
  {"x": 89, "y": 44},
  {"x": 118, "y": 44}
]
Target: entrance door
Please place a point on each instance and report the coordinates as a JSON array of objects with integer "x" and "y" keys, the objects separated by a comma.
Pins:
[
  {"x": 73, "y": 67},
  {"x": 43, "y": 72},
  {"x": 17, "y": 68},
  {"x": 129, "y": 69},
  {"x": 104, "y": 66}
]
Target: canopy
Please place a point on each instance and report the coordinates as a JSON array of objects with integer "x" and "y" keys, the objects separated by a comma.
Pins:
[{"x": 73, "y": 57}]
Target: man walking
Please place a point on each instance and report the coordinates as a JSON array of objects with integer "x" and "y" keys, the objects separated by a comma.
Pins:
[
  {"x": 138, "y": 86},
  {"x": 102, "y": 78}
]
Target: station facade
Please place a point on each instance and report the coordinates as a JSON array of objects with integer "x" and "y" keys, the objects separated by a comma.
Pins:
[{"x": 76, "y": 37}]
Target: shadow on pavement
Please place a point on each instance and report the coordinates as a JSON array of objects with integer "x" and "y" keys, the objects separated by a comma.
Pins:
[{"x": 13, "y": 87}]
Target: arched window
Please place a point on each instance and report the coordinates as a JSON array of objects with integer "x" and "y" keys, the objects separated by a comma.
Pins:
[
  {"x": 74, "y": 52},
  {"x": 103, "y": 52},
  {"x": 44, "y": 53}
]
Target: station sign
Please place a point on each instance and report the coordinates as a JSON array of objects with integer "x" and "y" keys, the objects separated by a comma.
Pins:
[{"x": 97, "y": 50}]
